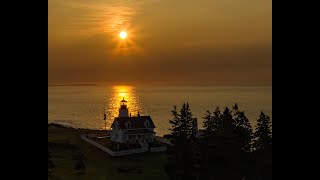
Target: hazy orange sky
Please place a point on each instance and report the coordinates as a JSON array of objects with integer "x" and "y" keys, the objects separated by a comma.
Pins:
[{"x": 207, "y": 42}]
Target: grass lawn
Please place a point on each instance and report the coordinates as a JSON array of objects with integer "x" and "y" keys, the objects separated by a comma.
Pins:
[{"x": 63, "y": 143}]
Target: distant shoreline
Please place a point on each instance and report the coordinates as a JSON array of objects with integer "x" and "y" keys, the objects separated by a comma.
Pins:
[{"x": 73, "y": 85}]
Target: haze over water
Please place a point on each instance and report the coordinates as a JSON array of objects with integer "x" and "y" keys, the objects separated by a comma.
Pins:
[{"x": 83, "y": 106}]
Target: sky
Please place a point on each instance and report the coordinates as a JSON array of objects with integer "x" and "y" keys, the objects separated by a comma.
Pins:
[{"x": 180, "y": 42}]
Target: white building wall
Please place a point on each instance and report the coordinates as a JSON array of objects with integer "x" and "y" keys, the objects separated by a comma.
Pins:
[
  {"x": 123, "y": 136},
  {"x": 114, "y": 133},
  {"x": 118, "y": 135}
]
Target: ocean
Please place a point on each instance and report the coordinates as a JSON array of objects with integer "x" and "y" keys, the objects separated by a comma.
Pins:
[{"x": 84, "y": 106}]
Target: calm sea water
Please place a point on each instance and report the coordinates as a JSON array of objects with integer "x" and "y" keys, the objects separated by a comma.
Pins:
[{"x": 83, "y": 106}]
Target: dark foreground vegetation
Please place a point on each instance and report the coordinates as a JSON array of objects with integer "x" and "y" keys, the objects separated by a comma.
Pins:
[{"x": 227, "y": 148}]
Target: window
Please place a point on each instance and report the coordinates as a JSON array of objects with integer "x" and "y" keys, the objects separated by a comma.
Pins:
[{"x": 128, "y": 124}]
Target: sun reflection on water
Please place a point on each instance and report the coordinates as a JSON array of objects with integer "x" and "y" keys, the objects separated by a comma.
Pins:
[{"x": 113, "y": 102}]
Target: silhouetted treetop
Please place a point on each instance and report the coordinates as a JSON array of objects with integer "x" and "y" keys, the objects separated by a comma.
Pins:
[
  {"x": 262, "y": 135},
  {"x": 242, "y": 128},
  {"x": 213, "y": 123},
  {"x": 182, "y": 123}
]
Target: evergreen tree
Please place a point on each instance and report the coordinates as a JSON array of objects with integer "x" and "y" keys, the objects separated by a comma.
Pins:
[
  {"x": 262, "y": 135},
  {"x": 175, "y": 124},
  {"x": 186, "y": 120},
  {"x": 242, "y": 128},
  {"x": 217, "y": 122},
  {"x": 182, "y": 136},
  {"x": 227, "y": 122},
  {"x": 182, "y": 123},
  {"x": 207, "y": 123},
  {"x": 212, "y": 123}
]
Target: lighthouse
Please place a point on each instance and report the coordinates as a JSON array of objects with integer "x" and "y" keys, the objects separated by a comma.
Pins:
[
  {"x": 132, "y": 129},
  {"x": 123, "y": 111}
]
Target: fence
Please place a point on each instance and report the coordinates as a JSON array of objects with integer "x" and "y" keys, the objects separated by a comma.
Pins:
[{"x": 113, "y": 153}]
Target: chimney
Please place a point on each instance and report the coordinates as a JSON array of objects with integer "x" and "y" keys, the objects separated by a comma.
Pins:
[
  {"x": 130, "y": 114},
  {"x": 138, "y": 114}
]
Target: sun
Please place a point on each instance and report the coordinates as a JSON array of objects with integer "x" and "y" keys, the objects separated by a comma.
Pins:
[
  {"x": 123, "y": 35},
  {"x": 124, "y": 40}
]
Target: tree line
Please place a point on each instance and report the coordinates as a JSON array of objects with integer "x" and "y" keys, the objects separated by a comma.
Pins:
[{"x": 227, "y": 147}]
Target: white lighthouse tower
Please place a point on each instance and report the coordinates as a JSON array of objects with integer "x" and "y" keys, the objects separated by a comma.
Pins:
[{"x": 123, "y": 111}]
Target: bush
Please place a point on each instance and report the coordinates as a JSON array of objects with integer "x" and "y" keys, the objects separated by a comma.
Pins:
[{"x": 79, "y": 164}]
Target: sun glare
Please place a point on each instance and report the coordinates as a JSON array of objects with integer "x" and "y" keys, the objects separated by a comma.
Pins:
[
  {"x": 123, "y": 35},
  {"x": 125, "y": 42}
]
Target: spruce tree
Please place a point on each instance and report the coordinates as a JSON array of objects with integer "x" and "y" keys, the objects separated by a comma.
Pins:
[
  {"x": 262, "y": 135},
  {"x": 227, "y": 122},
  {"x": 182, "y": 136},
  {"x": 217, "y": 122},
  {"x": 242, "y": 128},
  {"x": 175, "y": 124},
  {"x": 182, "y": 123},
  {"x": 212, "y": 123},
  {"x": 207, "y": 123},
  {"x": 186, "y": 120}
]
